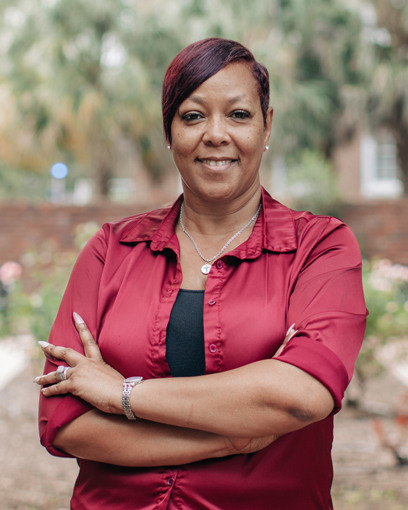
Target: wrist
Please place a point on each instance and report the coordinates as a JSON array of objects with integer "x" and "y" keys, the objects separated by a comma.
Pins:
[{"x": 127, "y": 389}]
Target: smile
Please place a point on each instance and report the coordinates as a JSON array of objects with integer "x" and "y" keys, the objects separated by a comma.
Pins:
[{"x": 217, "y": 163}]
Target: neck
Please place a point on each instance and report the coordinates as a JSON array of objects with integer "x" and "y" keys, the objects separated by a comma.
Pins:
[{"x": 219, "y": 218}]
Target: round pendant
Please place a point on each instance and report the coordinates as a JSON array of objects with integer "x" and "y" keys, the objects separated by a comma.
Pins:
[{"x": 205, "y": 269}]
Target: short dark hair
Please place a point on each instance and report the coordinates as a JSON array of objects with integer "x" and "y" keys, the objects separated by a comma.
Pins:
[{"x": 198, "y": 62}]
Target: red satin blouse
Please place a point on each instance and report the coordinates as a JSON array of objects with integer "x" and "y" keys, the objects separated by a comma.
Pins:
[{"x": 294, "y": 268}]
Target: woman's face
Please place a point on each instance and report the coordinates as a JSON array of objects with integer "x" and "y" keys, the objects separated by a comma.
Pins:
[{"x": 219, "y": 136}]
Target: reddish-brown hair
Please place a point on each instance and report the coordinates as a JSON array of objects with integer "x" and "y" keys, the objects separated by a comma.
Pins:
[{"x": 198, "y": 62}]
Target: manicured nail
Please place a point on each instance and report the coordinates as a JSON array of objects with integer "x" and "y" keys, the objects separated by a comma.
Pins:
[
  {"x": 43, "y": 344},
  {"x": 78, "y": 319},
  {"x": 37, "y": 379}
]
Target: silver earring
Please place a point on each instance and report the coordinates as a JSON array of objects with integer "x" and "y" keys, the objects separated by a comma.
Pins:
[
  {"x": 266, "y": 147},
  {"x": 169, "y": 146}
]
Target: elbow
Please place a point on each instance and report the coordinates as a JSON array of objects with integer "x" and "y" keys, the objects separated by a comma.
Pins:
[
  {"x": 313, "y": 408},
  {"x": 305, "y": 415}
]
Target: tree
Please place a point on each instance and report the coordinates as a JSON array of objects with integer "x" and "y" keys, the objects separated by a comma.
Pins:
[
  {"x": 324, "y": 39},
  {"x": 387, "y": 98},
  {"x": 86, "y": 75},
  {"x": 79, "y": 84}
]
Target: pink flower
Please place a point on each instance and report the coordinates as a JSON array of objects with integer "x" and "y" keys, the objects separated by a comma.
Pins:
[{"x": 10, "y": 272}]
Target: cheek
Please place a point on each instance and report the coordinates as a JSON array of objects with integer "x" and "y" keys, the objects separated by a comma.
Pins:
[
  {"x": 254, "y": 143},
  {"x": 182, "y": 141}
]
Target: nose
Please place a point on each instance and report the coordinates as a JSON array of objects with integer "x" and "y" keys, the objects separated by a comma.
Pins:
[{"x": 216, "y": 132}]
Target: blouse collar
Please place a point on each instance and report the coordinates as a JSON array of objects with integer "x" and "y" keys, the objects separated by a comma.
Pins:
[{"x": 274, "y": 229}]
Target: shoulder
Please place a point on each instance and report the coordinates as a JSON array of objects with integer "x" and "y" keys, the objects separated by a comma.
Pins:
[
  {"x": 143, "y": 227},
  {"x": 287, "y": 229},
  {"x": 116, "y": 236},
  {"x": 327, "y": 239},
  {"x": 138, "y": 227}
]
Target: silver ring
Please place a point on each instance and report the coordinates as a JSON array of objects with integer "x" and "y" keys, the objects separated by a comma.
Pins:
[{"x": 62, "y": 372}]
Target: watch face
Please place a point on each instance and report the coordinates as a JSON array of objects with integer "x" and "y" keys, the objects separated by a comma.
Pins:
[{"x": 135, "y": 379}]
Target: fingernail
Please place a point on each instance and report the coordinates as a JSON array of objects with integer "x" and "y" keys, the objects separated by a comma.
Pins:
[
  {"x": 78, "y": 319},
  {"x": 43, "y": 344},
  {"x": 37, "y": 379}
]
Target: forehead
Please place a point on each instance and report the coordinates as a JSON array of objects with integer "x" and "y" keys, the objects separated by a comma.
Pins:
[{"x": 232, "y": 83}]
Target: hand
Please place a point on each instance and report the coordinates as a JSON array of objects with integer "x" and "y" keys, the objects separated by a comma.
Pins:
[
  {"x": 87, "y": 377},
  {"x": 291, "y": 332}
]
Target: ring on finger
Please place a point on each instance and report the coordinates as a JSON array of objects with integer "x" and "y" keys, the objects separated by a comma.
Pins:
[{"x": 62, "y": 372}]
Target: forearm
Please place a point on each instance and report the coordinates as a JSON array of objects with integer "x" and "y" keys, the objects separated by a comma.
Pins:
[
  {"x": 115, "y": 440},
  {"x": 263, "y": 398}
]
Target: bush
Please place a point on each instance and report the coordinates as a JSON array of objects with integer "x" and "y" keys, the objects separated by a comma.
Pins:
[
  {"x": 34, "y": 311},
  {"x": 386, "y": 293}
]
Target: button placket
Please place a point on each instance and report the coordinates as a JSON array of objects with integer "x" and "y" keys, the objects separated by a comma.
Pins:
[{"x": 212, "y": 334}]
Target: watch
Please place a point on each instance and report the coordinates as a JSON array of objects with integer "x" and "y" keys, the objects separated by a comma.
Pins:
[{"x": 128, "y": 385}]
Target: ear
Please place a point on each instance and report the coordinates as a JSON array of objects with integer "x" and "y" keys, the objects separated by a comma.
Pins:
[{"x": 268, "y": 125}]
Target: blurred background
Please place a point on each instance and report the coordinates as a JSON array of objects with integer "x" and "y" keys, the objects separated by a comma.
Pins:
[{"x": 81, "y": 143}]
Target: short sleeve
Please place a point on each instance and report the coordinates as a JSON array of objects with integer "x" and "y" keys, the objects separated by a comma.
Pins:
[
  {"x": 327, "y": 305},
  {"x": 81, "y": 296}
]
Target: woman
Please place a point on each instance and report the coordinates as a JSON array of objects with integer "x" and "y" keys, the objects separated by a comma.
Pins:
[{"x": 196, "y": 299}]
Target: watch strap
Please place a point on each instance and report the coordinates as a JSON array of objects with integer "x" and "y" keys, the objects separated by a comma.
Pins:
[{"x": 128, "y": 385}]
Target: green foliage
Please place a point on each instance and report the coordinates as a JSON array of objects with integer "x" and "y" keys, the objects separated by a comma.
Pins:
[
  {"x": 34, "y": 310},
  {"x": 15, "y": 182},
  {"x": 312, "y": 183},
  {"x": 386, "y": 293},
  {"x": 386, "y": 290}
]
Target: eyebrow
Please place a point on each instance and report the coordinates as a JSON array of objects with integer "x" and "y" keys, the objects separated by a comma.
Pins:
[{"x": 232, "y": 100}]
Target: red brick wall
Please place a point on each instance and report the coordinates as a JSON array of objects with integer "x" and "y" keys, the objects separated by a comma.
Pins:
[
  {"x": 381, "y": 227},
  {"x": 31, "y": 227}
]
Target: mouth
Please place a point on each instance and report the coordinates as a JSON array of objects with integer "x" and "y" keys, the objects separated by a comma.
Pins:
[{"x": 218, "y": 164}]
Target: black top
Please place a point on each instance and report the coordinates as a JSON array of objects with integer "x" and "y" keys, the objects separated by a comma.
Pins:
[{"x": 185, "y": 335}]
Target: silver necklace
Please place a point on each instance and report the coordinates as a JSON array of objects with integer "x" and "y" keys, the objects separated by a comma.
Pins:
[{"x": 205, "y": 269}]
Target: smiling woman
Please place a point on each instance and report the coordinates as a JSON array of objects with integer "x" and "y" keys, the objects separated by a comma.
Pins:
[{"x": 191, "y": 385}]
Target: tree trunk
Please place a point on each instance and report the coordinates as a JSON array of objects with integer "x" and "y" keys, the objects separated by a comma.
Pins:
[
  {"x": 103, "y": 175},
  {"x": 401, "y": 138}
]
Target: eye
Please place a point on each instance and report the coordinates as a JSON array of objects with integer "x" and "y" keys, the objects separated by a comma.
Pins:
[
  {"x": 240, "y": 114},
  {"x": 191, "y": 116}
]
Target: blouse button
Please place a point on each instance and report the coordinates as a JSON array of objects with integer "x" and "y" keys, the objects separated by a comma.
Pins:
[
  {"x": 170, "y": 481},
  {"x": 211, "y": 302},
  {"x": 219, "y": 264},
  {"x": 212, "y": 348}
]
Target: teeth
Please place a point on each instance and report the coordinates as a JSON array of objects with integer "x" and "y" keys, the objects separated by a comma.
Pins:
[{"x": 211, "y": 162}]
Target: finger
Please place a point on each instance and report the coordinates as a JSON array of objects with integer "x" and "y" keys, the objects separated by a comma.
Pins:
[
  {"x": 289, "y": 334},
  {"x": 50, "y": 378},
  {"x": 58, "y": 352},
  {"x": 279, "y": 350},
  {"x": 60, "y": 388},
  {"x": 90, "y": 346}
]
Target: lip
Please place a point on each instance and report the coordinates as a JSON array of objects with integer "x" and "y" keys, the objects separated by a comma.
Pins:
[{"x": 219, "y": 163}]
